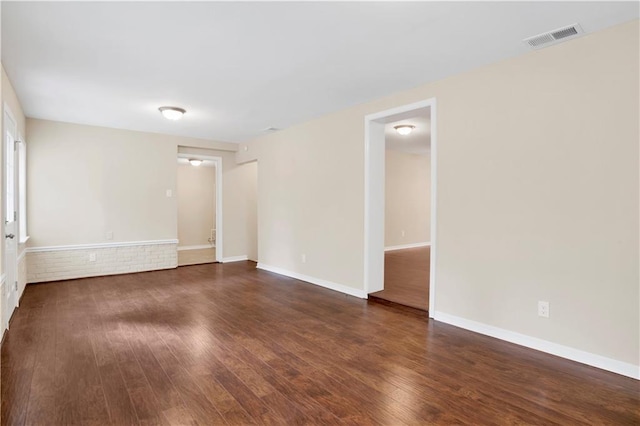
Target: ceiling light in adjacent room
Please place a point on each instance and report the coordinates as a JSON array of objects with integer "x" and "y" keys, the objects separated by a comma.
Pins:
[
  {"x": 195, "y": 162},
  {"x": 172, "y": 113},
  {"x": 404, "y": 129}
]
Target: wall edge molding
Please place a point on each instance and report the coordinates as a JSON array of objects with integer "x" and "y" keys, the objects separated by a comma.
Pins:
[
  {"x": 408, "y": 246},
  {"x": 99, "y": 245},
  {"x": 567, "y": 352},
  {"x": 315, "y": 281}
]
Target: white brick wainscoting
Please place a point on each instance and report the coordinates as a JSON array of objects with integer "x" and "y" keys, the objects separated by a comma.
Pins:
[{"x": 90, "y": 260}]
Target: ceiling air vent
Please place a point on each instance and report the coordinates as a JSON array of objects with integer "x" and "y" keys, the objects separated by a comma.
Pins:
[{"x": 553, "y": 37}]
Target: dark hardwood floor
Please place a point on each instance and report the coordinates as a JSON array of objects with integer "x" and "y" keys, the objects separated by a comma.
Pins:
[
  {"x": 228, "y": 344},
  {"x": 406, "y": 278}
]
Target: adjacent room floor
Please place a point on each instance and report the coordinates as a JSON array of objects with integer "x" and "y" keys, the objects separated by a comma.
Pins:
[
  {"x": 196, "y": 257},
  {"x": 226, "y": 343},
  {"x": 406, "y": 278}
]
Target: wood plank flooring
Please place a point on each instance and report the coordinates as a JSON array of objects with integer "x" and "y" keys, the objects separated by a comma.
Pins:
[
  {"x": 406, "y": 278},
  {"x": 229, "y": 344}
]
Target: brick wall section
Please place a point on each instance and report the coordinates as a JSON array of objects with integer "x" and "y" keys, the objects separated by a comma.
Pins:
[{"x": 59, "y": 264}]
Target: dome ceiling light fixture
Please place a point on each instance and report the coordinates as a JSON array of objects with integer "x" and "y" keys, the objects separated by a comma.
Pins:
[
  {"x": 195, "y": 162},
  {"x": 404, "y": 129},
  {"x": 172, "y": 113}
]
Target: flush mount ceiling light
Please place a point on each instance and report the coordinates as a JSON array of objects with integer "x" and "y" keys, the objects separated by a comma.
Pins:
[
  {"x": 404, "y": 129},
  {"x": 172, "y": 113},
  {"x": 195, "y": 162}
]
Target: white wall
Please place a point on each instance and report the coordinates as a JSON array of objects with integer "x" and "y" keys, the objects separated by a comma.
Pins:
[
  {"x": 407, "y": 198},
  {"x": 196, "y": 191},
  {"x": 538, "y": 193},
  {"x": 45, "y": 264}
]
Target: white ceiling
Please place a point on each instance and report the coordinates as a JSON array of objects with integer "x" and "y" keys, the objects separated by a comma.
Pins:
[
  {"x": 241, "y": 67},
  {"x": 417, "y": 142}
]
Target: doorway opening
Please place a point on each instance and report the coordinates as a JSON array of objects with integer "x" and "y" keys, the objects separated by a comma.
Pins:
[
  {"x": 199, "y": 194},
  {"x": 407, "y": 212},
  {"x": 406, "y": 229}
]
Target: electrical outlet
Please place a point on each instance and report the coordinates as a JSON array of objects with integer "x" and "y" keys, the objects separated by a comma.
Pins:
[
  {"x": 109, "y": 235},
  {"x": 169, "y": 193},
  {"x": 303, "y": 258},
  {"x": 403, "y": 233},
  {"x": 543, "y": 309},
  {"x": 92, "y": 257}
]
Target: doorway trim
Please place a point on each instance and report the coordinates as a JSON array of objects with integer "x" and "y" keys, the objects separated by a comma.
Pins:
[
  {"x": 219, "y": 219},
  {"x": 10, "y": 228},
  {"x": 374, "y": 152}
]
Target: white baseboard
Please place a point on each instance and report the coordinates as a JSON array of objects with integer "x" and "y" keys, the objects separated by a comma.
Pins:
[
  {"x": 317, "y": 281},
  {"x": 235, "y": 258},
  {"x": 200, "y": 247},
  {"x": 407, "y": 246},
  {"x": 615, "y": 366}
]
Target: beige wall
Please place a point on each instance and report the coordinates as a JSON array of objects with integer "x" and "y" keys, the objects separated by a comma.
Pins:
[
  {"x": 407, "y": 198},
  {"x": 537, "y": 193},
  {"x": 196, "y": 192},
  {"x": 252, "y": 210},
  {"x": 237, "y": 202},
  {"x": 85, "y": 181}
]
